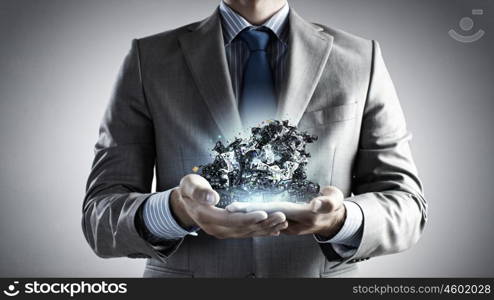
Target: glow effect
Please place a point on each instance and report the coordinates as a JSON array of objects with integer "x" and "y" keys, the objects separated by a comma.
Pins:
[{"x": 270, "y": 165}]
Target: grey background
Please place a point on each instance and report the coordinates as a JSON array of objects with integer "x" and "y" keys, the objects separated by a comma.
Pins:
[{"x": 58, "y": 62}]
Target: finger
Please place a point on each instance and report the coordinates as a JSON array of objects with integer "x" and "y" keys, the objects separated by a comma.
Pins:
[
  {"x": 295, "y": 229},
  {"x": 275, "y": 230},
  {"x": 300, "y": 212},
  {"x": 237, "y": 207},
  {"x": 256, "y": 229},
  {"x": 267, "y": 226},
  {"x": 288, "y": 208},
  {"x": 245, "y": 219},
  {"x": 273, "y": 220},
  {"x": 325, "y": 204},
  {"x": 330, "y": 200},
  {"x": 332, "y": 192},
  {"x": 198, "y": 188},
  {"x": 265, "y": 206},
  {"x": 219, "y": 216},
  {"x": 321, "y": 205},
  {"x": 281, "y": 226}
]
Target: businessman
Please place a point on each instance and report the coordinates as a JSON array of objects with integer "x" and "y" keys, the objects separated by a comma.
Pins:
[{"x": 252, "y": 60}]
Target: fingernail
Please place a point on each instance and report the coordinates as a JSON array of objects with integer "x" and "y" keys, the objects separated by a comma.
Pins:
[
  {"x": 317, "y": 205},
  {"x": 233, "y": 207},
  {"x": 275, "y": 223},
  {"x": 264, "y": 215},
  {"x": 210, "y": 198}
]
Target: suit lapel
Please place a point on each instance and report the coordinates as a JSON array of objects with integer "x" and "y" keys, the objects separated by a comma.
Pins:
[
  {"x": 308, "y": 52},
  {"x": 204, "y": 51}
]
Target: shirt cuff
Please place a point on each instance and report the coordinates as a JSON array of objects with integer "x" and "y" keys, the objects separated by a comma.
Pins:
[
  {"x": 350, "y": 234},
  {"x": 159, "y": 219}
]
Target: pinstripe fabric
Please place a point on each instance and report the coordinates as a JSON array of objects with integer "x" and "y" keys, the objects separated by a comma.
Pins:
[
  {"x": 346, "y": 241},
  {"x": 159, "y": 219},
  {"x": 156, "y": 212},
  {"x": 237, "y": 52}
]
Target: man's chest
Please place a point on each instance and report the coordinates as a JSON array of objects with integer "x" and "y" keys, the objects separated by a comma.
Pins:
[{"x": 186, "y": 130}]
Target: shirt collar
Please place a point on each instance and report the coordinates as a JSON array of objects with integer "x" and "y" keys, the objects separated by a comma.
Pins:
[{"x": 233, "y": 23}]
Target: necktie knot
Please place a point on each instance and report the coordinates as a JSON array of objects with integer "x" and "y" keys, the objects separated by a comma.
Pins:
[{"x": 255, "y": 39}]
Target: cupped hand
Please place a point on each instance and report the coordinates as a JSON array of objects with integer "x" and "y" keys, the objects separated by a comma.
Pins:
[
  {"x": 193, "y": 203},
  {"x": 323, "y": 215}
]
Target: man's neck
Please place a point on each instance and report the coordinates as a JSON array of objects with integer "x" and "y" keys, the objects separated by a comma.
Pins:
[{"x": 256, "y": 11}]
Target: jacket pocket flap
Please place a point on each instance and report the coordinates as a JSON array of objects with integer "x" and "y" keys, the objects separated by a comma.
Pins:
[{"x": 329, "y": 114}]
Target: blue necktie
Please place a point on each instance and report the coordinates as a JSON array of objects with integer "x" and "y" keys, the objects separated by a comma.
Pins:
[{"x": 257, "y": 101}]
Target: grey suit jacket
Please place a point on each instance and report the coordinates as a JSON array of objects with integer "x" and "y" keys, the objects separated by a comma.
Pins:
[{"x": 173, "y": 98}]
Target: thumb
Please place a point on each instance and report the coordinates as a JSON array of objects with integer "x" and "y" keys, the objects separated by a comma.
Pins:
[
  {"x": 198, "y": 188},
  {"x": 321, "y": 205},
  {"x": 330, "y": 200}
]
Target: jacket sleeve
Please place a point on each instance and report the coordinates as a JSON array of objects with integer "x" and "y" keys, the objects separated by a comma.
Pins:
[
  {"x": 122, "y": 172},
  {"x": 385, "y": 182}
]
